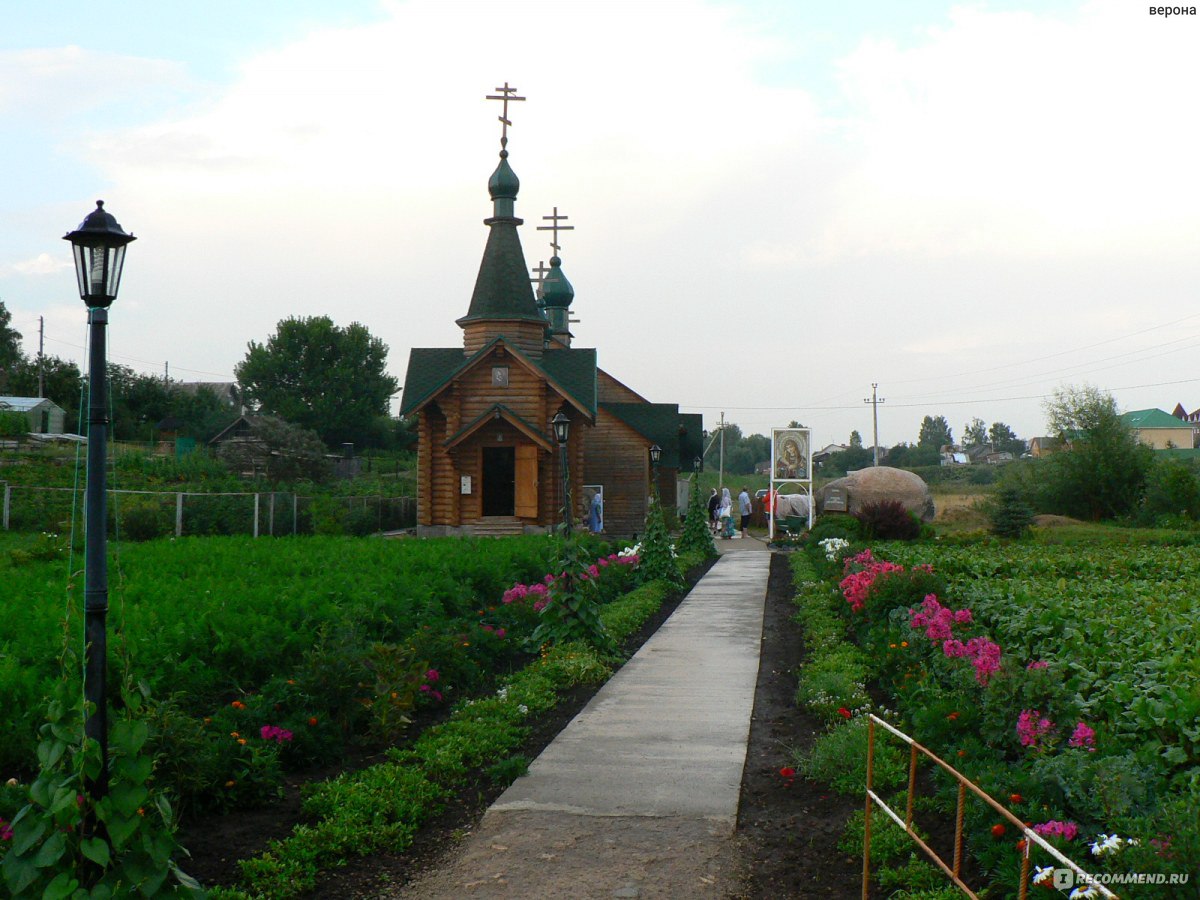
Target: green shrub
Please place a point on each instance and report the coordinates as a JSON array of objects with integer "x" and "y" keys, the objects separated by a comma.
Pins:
[
  {"x": 1010, "y": 516},
  {"x": 839, "y": 758},
  {"x": 144, "y": 518},
  {"x": 1172, "y": 489},
  {"x": 888, "y": 520},
  {"x": 833, "y": 680}
]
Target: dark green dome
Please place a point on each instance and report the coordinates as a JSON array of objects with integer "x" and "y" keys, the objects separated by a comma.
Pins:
[
  {"x": 556, "y": 290},
  {"x": 504, "y": 184}
]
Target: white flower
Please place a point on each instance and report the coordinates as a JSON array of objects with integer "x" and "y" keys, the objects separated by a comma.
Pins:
[
  {"x": 502, "y": 693},
  {"x": 524, "y": 709},
  {"x": 1107, "y": 843},
  {"x": 1043, "y": 874},
  {"x": 1082, "y": 892}
]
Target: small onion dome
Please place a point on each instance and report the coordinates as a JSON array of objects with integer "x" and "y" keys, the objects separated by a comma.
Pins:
[
  {"x": 504, "y": 184},
  {"x": 556, "y": 290}
]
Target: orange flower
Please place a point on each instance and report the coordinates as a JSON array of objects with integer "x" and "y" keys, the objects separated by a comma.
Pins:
[
  {"x": 230, "y": 783},
  {"x": 207, "y": 720},
  {"x": 893, "y": 646},
  {"x": 904, "y": 643},
  {"x": 952, "y": 716},
  {"x": 962, "y": 753},
  {"x": 1015, "y": 798},
  {"x": 238, "y": 704},
  {"x": 141, "y": 810},
  {"x": 1021, "y": 845},
  {"x": 241, "y": 740},
  {"x": 233, "y": 734},
  {"x": 998, "y": 830},
  {"x": 312, "y": 721},
  {"x": 291, "y": 681}
]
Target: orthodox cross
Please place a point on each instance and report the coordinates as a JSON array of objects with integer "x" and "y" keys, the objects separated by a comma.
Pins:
[
  {"x": 539, "y": 275},
  {"x": 506, "y": 94},
  {"x": 556, "y": 228}
]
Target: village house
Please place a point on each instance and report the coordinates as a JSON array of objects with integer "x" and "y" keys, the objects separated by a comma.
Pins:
[{"x": 487, "y": 458}]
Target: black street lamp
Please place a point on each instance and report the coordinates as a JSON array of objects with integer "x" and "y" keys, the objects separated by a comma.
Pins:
[
  {"x": 562, "y": 426},
  {"x": 655, "y": 456},
  {"x": 99, "y": 246}
]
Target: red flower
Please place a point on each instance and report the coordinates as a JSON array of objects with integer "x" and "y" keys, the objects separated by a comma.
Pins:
[
  {"x": 844, "y": 713},
  {"x": 1015, "y": 798},
  {"x": 312, "y": 720},
  {"x": 788, "y": 772},
  {"x": 1021, "y": 844},
  {"x": 998, "y": 830},
  {"x": 952, "y": 716}
]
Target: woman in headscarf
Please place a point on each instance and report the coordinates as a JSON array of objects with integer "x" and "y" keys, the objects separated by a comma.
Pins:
[
  {"x": 596, "y": 514},
  {"x": 725, "y": 513}
]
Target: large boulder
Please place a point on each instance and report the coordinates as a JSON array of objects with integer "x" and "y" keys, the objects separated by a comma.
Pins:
[{"x": 883, "y": 483}]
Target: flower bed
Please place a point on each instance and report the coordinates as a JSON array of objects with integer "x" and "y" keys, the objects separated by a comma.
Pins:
[{"x": 1054, "y": 678}]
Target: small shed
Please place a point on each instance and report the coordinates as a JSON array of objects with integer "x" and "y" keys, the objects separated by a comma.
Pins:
[{"x": 45, "y": 416}]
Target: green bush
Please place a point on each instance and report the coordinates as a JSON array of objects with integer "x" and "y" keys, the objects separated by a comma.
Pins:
[
  {"x": 1172, "y": 489},
  {"x": 1010, "y": 516},
  {"x": 839, "y": 758},
  {"x": 144, "y": 518}
]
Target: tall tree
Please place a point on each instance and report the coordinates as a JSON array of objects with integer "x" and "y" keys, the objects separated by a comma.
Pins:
[
  {"x": 1004, "y": 438},
  {"x": 975, "y": 433},
  {"x": 10, "y": 347},
  {"x": 855, "y": 440},
  {"x": 319, "y": 376},
  {"x": 1103, "y": 474},
  {"x": 934, "y": 434}
]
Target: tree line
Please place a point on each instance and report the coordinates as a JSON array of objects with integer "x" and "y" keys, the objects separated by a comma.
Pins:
[{"x": 311, "y": 374}]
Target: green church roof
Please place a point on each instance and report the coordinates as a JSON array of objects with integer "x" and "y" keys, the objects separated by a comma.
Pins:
[
  {"x": 678, "y": 434},
  {"x": 430, "y": 369}
]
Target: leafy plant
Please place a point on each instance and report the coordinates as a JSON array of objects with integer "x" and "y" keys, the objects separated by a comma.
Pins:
[
  {"x": 697, "y": 536},
  {"x": 888, "y": 520},
  {"x": 65, "y": 839},
  {"x": 573, "y": 613},
  {"x": 657, "y": 558}
]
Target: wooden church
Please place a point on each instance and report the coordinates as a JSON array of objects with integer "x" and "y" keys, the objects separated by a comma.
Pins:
[{"x": 487, "y": 456}]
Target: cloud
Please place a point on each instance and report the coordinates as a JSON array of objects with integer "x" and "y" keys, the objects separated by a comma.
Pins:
[{"x": 42, "y": 264}]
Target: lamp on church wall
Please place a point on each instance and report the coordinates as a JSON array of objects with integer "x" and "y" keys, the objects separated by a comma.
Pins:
[
  {"x": 99, "y": 248},
  {"x": 655, "y": 456},
  {"x": 562, "y": 428}
]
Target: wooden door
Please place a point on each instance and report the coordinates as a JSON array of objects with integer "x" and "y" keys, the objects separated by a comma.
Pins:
[{"x": 527, "y": 481}]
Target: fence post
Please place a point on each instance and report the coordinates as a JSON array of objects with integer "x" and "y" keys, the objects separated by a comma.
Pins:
[
  {"x": 295, "y": 512},
  {"x": 256, "y": 513},
  {"x": 866, "y": 879},
  {"x": 7, "y": 503},
  {"x": 271, "y": 515},
  {"x": 179, "y": 514}
]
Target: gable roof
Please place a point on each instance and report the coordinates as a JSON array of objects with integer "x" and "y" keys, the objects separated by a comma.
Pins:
[
  {"x": 1152, "y": 418},
  {"x": 500, "y": 411},
  {"x": 678, "y": 434},
  {"x": 571, "y": 372},
  {"x": 24, "y": 404}
]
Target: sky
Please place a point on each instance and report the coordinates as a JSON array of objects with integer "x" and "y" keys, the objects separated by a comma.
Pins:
[{"x": 776, "y": 205}]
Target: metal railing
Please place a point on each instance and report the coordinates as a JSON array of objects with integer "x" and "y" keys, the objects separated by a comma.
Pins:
[{"x": 953, "y": 870}]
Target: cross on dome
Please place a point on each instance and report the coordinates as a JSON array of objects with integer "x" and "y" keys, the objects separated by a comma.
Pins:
[
  {"x": 556, "y": 228},
  {"x": 506, "y": 94}
]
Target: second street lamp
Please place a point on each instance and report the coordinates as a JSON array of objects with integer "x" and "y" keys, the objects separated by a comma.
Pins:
[
  {"x": 99, "y": 247},
  {"x": 655, "y": 456},
  {"x": 562, "y": 425}
]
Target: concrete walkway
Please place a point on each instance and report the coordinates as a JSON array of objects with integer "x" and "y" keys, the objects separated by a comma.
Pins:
[{"x": 638, "y": 795}]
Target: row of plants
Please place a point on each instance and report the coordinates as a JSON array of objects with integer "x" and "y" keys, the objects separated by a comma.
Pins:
[
  {"x": 291, "y": 630},
  {"x": 161, "y": 751},
  {"x": 1050, "y": 675},
  {"x": 381, "y": 808}
]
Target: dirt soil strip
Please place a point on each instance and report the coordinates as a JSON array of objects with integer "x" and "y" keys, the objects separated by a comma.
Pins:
[{"x": 788, "y": 834}]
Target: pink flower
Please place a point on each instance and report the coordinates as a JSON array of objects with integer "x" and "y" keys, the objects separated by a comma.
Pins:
[
  {"x": 432, "y": 675},
  {"x": 1068, "y": 831},
  {"x": 1037, "y": 664},
  {"x": 1083, "y": 736},
  {"x": 593, "y": 571},
  {"x": 1032, "y": 726},
  {"x": 500, "y": 632},
  {"x": 437, "y": 695},
  {"x": 426, "y": 688},
  {"x": 275, "y": 733},
  {"x": 6, "y": 832},
  {"x": 487, "y": 627}
]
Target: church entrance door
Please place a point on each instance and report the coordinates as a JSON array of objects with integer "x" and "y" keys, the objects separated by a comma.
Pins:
[{"x": 499, "y": 480}]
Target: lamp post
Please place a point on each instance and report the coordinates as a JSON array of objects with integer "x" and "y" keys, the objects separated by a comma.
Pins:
[
  {"x": 99, "y": 248},
  {"x": 655, "y": 456},
  {"x": 562, "y": 427}
]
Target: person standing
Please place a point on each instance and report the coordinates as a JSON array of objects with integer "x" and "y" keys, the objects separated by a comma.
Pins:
[
  {"x": 596, "y": 514},
  {"x": 714, "y": 503},
  {"x": 745, "y": 507},
  {"x": 725, "y": 514}
]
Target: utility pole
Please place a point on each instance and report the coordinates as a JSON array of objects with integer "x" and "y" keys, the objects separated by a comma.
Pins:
[
  {"x": 167, "y": 374},
  {"x": 874, "y": 400},
  {"x": 41, "y": 357},
  {"x": 721, "y": 465}
]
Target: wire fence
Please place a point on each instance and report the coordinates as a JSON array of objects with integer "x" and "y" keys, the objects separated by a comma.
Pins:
[{"x": 143, "y": 515}]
